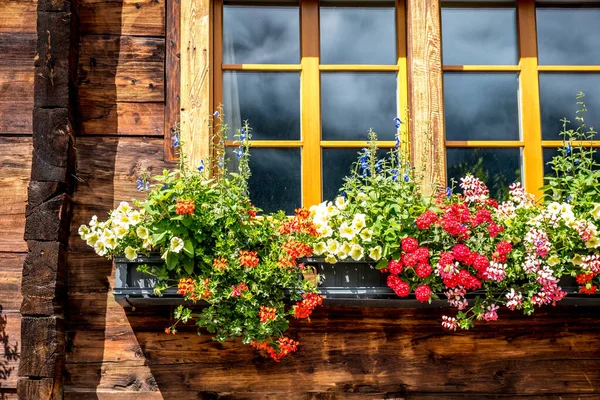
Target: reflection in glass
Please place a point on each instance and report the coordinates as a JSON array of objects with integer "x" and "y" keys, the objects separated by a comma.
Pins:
[
  {"x": 353, "y": 102},
  {"x": 481, "y": 106},
  {"x": 338, "y": 163},
  {"x": 498, "y": 168},
  {"x": 351, "y": 35},
  {"x": 549, "y": 153},
  {"x": 479, "y": 36},
  {"x": 275, "y": 183},
  {"x": 270, "y": 101},
  {"x": 568, "y": 36},
  {"x": 261, "y": 35},
  {"x": 557, "y": 101}
]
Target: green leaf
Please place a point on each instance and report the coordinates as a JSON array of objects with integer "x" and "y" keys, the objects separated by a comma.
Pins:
[
  {"x": 188, "y": 265},
  {"x": 188, "y": 247},
  {"x": 383, "y": 263},
  {"x": 171, "y": 260},
  {"x": 159, "y": 237}
]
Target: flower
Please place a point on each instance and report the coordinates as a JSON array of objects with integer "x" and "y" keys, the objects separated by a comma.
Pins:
[
  {"x": 401, "y": 288},
  {"x": 201, "y": 166},
  {"x": 596, "y": 211},
  {"x": 142, "y": 232},
  {"x": 319, "y": 248},
  {"x": 409, "y": 244},
  {"x": 248, "y": 259},
  {"x": 449, "y": 323},
  {"x": 176, "y": 244},
  {"x": 347, "y": 231},
  {"x": 358, "y": 222},
  {"x": 184, "y": 206},
  {"x": 340, "y": 202},
  {"x": 553, "y": 260},
  {"x": 142, "y": 184},
  {"x": 330, "y": 259},
  {"x": 375, "y": 253},
  {"x": 267, "y": 314},
  {"x": 333, "y": 246},
  {"x": 175, "y": 139},
  {"x": 398, "y": 122},
  {"x": 366, "y": 235},
  {"x": 83, "y": 231},
  {"x": 423, "y": 293},
  {"x": 357, "y": 252}
]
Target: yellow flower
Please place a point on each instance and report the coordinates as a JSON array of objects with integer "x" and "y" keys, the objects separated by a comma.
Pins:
[
  {"x": 120, "y": 231},
  {"x": 135, "y": 218},
  {"x": 142, "y": 232},
  {"x": 130, "y": 253},
  {"x": 100, "y": 249},
  {"x": 577, "y": 259},
  {"x": 330, "y": 259},
  {"x": 83, "y": 231},
  {"x": 347, "y": 232},
  {"x": 375, "y": 253},
  {"x": 123, "y": 207},
  {"x": 553, "y": 260},
  {"x": 346, "y": 248},
  {"x": 333, "y": 246},
  {"x": 92, "y": 238},
  {"x": 357, "y": 252},
  {"x": 366, "y": 235},
  {"x": 596, "y": 211},
  {"x": 358, "y": 222},
  {"x": 319, "y": 248},
  {"x": 592, "y": 243}
]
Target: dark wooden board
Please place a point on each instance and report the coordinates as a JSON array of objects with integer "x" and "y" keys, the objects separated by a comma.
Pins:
[
  {"x": 123, "y": 17},
  {"x": 101, "y": 117}
]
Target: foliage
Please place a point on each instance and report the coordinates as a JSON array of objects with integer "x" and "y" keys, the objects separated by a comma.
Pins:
[{"x": 216, "y": 249}]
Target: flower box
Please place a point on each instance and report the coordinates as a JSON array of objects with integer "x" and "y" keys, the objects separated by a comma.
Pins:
[{"x": 349, "y": 283}]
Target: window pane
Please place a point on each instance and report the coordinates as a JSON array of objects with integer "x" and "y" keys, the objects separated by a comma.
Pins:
[
  {"x": 568, "y": 36},
  {"x": 479, "y": 36},
  {"x": 261, "y": 35},
  {"x": 550, "y": 153},
  {"x": 270, "y": 101},
  {"x": 481, "y": 106},
  {"x": 275, "y": 183},
  {"x": 358, "y": 35},
  {"x": 557, "y": 101},
  {"x": 351, "y": 103},
  {"x": 498, "y": 168},
  {"x": 337, "y": 163}
]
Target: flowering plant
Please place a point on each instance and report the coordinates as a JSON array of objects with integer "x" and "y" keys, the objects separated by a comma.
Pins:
[{"x": 216, "y": 249}]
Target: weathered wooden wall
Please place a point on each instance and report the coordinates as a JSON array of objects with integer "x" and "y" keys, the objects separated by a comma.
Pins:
[
  {"x": 345, "y": 353},
  {"x": 17, "y": 50}
]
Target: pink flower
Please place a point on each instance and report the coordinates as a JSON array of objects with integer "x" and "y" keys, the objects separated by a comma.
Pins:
[
  {"x": 449, "y": 323},
  {"x": 495, "y": 272},
  {"x": 491, "y": 314}
]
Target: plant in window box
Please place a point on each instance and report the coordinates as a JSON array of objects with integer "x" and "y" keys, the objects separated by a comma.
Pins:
[{"x": 213, "y": 248}]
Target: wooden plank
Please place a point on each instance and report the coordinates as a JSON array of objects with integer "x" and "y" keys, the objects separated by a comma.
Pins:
[
  {"x": 102, "y": 117},
  {"x": 195, "y": 78},
  {"x": 10, "y": 336},
  {"x": 16, "y": 99},
  {"x": 10, "y": 281},
  {"x": 122, "y": 17},
  {"x": 121, "y": 69},
  {"x": 18, "y": 16},
  {"x": 173, "y": 76},
  {"x": 426, "y": 88},
  {"x": 15, "y": 164}
]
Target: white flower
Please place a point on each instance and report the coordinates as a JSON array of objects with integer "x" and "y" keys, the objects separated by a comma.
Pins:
[
  {"x": 130, "y": 253},
  {"x": 147, "y": 243},
  {"x": 357, "y": 252},
  {"x": 577, "y": 259},
  {"x": 344, "y": 251},
  {"x": 342, "y": 255},
  {"x": 92, "y": 238},
  {"x": 319, "y": 248},
  {"x": 362, "y": 196},
  {"x": 93, "y": 221},
  {"x": 135, "y": 217},
  {"x": 565, "y": 208},
  {"x": 553, "y": 260},
  {"x": 596, "y": 211},
  {"x": 110, "y": 241},
  {"x": 330, "y": 259},
  {"x": 358, "y": 222},
  {"x": 333, "y": 246},
  {"x": 568, "y": 217},
  {"x": 142, "y": 232},
  {"x": 120, "y": 231},
  {"x": 592, "y": 243},
  {"x": 326, "y": 231},
  {"x": 123, "y": 220},
  {"x": 123, "y": 207},
  {"x": 340, "y": 202},
  {"x": 347, "y": 232},
  {"x": 553, "y": 208},
  {"x": 83, "y": 231},
  {"x": 375, "y": 253},
  {"x": 176, "y": 244},
  {"x": 366, "y": 235},
  {"x": 99, "y": 248}
]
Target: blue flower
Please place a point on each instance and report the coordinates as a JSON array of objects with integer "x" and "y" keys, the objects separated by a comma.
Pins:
[
  {"x": 448, "y": 192},
  {"x": 243, "y": 134},
  {"x": 176, "y": 140},
  {"x": 201, "y": 167},
  {"x": 220, "y": 162},
  {"x": 378, "y": 165},
  {"x": 569, "y": 148},
  {"x": 398, "y": 122},
  {"x": 397, "y": 141},
  {"x": 140, "y": 185},
  {"x": 577, "y": 162},
  {"x": 239, "y": 152},
  {"x": 406, "y": 178},
  {"x": 569, "y": 198},
  {"x": 216, "y": 114}
]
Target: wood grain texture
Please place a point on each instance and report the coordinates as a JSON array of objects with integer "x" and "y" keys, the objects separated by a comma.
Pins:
[
  {"x": 123, "y": 17},
  {"x": 104, "y": 117},
  {"x": 18, "y": 16},
  {"x": 10, "y": 339},
  {"x": 173, "y": 75},
  {"x": 121, "y": 69},
  {"x": 426, "y": 91},
  {"x": 195, "y": 78}
]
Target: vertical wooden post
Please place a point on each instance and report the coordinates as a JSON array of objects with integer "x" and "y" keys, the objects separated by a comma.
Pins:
[
  {"x": 426, "y": 91},
  {"x": 196, "y": 76},
  {"x": 173, "y": 74}
]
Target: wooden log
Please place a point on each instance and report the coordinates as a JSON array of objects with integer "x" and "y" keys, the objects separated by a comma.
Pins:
[
  {"x": 49, "y": 221},
  {"x": 426, "y": 98},
  {"x": 55, "y": 6},
  {"x": 42, "y": 349},
  {"x": 44, "y": 271},
  {"x": 41, "y": 192},
  {"x": 18, "y": 16},
  {"x": 121, "y": 69},
  {"x": 128, "y": 119},
  {"x": 15, "y": 163},
  {"x": 173, "y": 76},
  {"x": 39, "y": 389},
  {"x": 123, "y": 17}
]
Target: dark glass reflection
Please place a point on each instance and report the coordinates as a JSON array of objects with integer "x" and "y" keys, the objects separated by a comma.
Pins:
[
  {"x": 261, "y": 35},
  {"x": 270, "y": 101},
  {"x": 275, "y": 183},
  {"x": 549, "y": 153},
  {"x": 568, "y": 36},
  {"x": 352, "y": 102},
  {"x": 479, "y": 36},
  {"x": 337, "y": 164},
  {"x": 558, "y": 100},
  {"x": 481, "y": 106},
  {"x": 351, "y": 35},
  {"x": 498, "y": 168}
]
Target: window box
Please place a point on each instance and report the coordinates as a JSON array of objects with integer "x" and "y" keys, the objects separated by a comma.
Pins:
[{"x": 348, "y": 283}]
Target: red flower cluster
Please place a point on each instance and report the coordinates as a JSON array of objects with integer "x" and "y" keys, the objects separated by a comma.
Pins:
[
  {"x": 170, "y": 331},
  {"x": 299, "y": 224},
  {"x": 414, "y": 257},
  {"x": 220, "y": 264},
  {"x": 206, "y": 293},
  {"x": 310, "y": 301},
  {"x": 502, "y": 250},
  {"x": 267, "y": 314},
  {"x": 249, "y": 259},
  {"x": 284, "y": 344},
  {"x": 425, "y": 220},
  {"x": 184, "y": 206},
  {"x": 294, "y": 250},
  {"x": 401, "y": 288},
  {"x": 423, "y": 293},
  {"x": 238, "y": 289},
  {"x": 187, "y": 287}
]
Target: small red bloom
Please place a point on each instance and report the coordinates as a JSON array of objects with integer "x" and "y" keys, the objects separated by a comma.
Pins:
[
  {"x": 302, "y": 213},
  {"x": 425, "y": 220},
  {"x": 395, "y": 267},
  {"x": 423, "y": 293},
  {"x": 249, "y": 259},
  {"x": 186, "y": 287},
  {"x": 184, "y": 206},
  {"x": 238, "y": 289},
  {"x": 409, "y": 244},
  {"x": 582, "y": 279},
  {"x": 409, "y": 260},
  {"x": 588, "y": 290},
  {"x": 422, "y": 254},
  {"x": 304, "y": 308},
  {"x": 267, "y": 314},
  {"x": 220, "y": 264},
  {"x": 423, "y": 270},
  {"x": 401, "y": 288}
]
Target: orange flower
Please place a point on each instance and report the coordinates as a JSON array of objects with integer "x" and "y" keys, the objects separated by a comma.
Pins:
[
  {"x": 249, "y": 259},
  {"x": 186, "y": 287},
  {"x": 220, "y": 264},
  {"x": 184, "y": 206},
  {"x": 267, "y": 314}
]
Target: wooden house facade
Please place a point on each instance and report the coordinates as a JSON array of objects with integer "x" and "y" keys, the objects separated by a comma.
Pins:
[{"x": 90, "y": 91}]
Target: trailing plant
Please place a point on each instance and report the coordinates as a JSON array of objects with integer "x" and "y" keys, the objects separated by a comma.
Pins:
[{"x": 215, "y": 248}]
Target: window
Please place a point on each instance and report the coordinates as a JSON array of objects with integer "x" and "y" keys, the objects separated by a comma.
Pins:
[
  {"x": 511, "y": 72},
  {"x": 311, "y": 78}
]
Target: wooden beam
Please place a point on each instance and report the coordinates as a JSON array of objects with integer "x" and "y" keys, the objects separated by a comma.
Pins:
[
  {"x": 426, "y": 91},
  {"x": 195, "y": 78},
  {"x": 172, "y": 74}
]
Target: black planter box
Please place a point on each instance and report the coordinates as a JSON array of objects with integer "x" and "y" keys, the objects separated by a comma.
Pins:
[{"x": 348, "y": 283}]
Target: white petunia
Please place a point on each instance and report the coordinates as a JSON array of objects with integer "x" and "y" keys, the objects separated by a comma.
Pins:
[
  {"x": 366, "y": 235},
  {"x": 142, "y": 232},
  {"x": 319, "y": 248},
  {"x": 346, "y": 231},
  {"x": 342, "y": 255},
  {"x": 83, "y": 231},
  {"x": 130, "y": 253},
  {"x": 553, "y": 208},
  {"x": 124, "y": 207},
  {"x": 375, "y": 253},
  {"x": 346, "y": 248},
  {"x": 340, "y": 202},
  {"x": 357, "y": 252},
  {"x": 99, "y": 248},
  {"x": 330, "y": 259},
  {"x": 92, "y": 238},
  {"x": 596, "y": 211},
  {"x": 93, "y": 221},
  {"x": 333, "y": 246},
  {"x": 120, "y": 231},
  {"x": 358, "y": 222},
  {"x": 553, "y": 260},
  {"x": 135, "y": 217},
  {"x": 110, "y": 241},
  {"x": 123, "y": 220},
  {"x": 362, "y": 196},
  {"x": 592, "y": 243},
  {"x": 326, "y": 231},
  {"x": 176, "y": 244}
]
